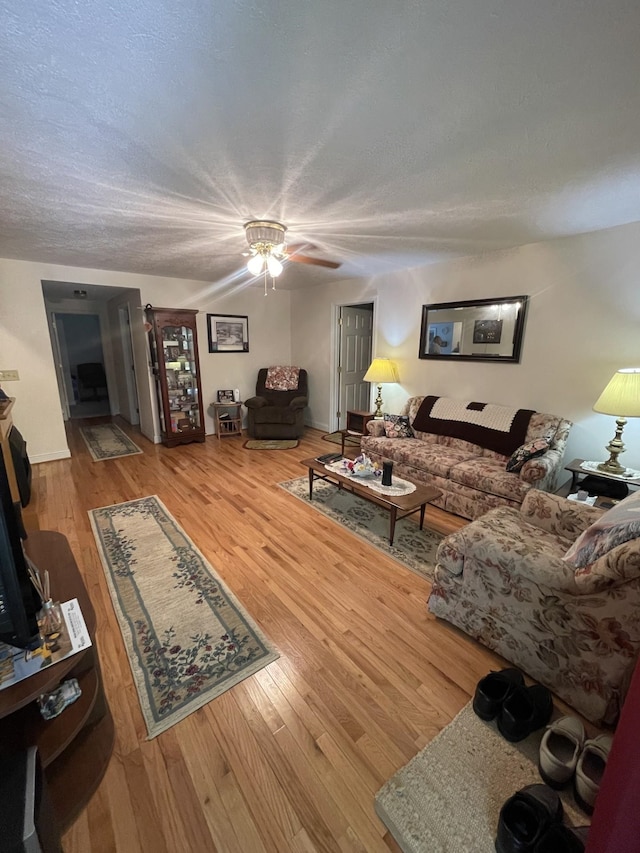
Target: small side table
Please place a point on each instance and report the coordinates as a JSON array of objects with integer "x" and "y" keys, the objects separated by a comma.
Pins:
[
  {"x": 578, "y": 474},
  {"x": 356, "y": 426},
  {"x": 231, "y": 425}
]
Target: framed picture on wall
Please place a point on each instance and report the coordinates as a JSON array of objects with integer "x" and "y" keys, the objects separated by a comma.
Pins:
[
  {"x": 487, "y": 331},
  {"x": 228, "y": 332}
]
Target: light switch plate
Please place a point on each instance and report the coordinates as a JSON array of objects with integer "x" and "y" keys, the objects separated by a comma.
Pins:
[{"x": 9, "y": 376}]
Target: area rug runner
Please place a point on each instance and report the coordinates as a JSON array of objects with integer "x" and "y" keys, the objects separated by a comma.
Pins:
[
  {"x": 108, "y": 441},
  {"x": 448, "y": 798},
  {"x": 414, "y": 548},
  {"x": 187, "y": 637},
  {"x": 271, "y": 443}
]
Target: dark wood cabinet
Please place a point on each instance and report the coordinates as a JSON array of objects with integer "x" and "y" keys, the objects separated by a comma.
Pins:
[
  {"x": 173, "y": 340},
  {"x": 76, "y": 746}
]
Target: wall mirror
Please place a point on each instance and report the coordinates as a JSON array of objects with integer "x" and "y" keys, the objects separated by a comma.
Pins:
[{"x": 478, "y": 330}]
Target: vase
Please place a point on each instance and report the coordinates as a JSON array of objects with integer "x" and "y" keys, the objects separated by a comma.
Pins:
[
  {"x": 49, "y": 618},
  {"x": 387, "y": 468}
]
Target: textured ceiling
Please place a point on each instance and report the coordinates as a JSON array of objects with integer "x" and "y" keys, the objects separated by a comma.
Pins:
[{"x": 141, "y": 136}]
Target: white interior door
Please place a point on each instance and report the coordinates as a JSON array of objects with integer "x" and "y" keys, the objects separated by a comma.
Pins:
[
  {"x": 130, "y": 401},
  {"x": 356, "y": 331},
  {"x": 63, "y": 374}
]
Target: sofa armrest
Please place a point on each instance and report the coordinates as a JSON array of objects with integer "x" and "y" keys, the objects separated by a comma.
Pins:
[
  {"x": 503, "y": 564},
  {"x": 255, "y": 402},
  {"x": 560, "y": 516},
  {"x": 542, "y": 470},
  {"x": 376, "y": 428},
  {"x": 298, "y": 403},
  {"x": 617, "y": 567}
]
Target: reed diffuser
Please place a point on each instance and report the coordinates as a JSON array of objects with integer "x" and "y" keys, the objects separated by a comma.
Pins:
[{"x": 50, "y": 615}]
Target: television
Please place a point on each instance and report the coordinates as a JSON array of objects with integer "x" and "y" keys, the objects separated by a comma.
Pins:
[{"x": 19, "y": 601}]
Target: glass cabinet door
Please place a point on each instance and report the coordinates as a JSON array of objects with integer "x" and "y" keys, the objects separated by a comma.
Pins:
[
  {"x": 173, "y": 339},
  {"x": 181, "y": 379}
]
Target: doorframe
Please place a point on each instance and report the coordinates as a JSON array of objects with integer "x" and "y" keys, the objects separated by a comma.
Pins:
[
  {"x": 334, "y": 385},
  {"x": 128, "y": 358}
]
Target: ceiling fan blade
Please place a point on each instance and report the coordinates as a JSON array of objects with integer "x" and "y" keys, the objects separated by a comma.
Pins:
[
  {"x": 292, "y": 248},
  {"x": 319, "y": 262}
]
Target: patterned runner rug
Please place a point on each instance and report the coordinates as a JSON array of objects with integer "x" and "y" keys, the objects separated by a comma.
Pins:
[
  {"x": 414, "y": 548},
  {"x": 108, "y": 441},
  {"x": 187, "y": 637},
  {"x": 448, "y": 798}
]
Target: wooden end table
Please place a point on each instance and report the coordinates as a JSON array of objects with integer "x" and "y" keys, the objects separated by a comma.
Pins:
[
  {"x": 356, "y": 426},
  {"x": 399, "y": 506},
  {"x": 578, "y": 474},
  {"x": 231, "y": 425}
]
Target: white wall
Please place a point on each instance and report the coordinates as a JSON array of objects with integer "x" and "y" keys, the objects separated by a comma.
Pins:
[
  {"x": 25, "y": 343},
  {"x": 583, "y": 324}
]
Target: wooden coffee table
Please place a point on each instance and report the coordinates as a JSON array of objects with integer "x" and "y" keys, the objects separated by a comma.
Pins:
[{"x": 399, "y": 506}]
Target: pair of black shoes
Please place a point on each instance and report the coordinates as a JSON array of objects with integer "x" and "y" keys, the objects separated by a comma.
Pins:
[
  {"x": 531, "y": 822},
  {"x": 517, "y": 709}
]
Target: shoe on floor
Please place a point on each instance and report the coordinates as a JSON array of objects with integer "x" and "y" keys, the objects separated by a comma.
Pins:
[
  {"x": 590, "y": 769},
  {"x": 493, "y": 689},
  {"x": 523, "y": 711},
  {"x": 560, "y": 749},
  {"x": 526, "y": 817},
  {"x": 559, "y": 838}
]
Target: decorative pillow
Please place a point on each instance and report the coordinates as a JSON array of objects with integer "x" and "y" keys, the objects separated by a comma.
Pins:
[
  {"x": 282, "y": 378},
  {"x": 526, "y": 452},
  {"x": 397, "y": 426},
  {"x": 619, "y": 524}
]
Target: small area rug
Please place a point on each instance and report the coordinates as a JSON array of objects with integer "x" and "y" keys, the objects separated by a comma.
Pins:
[
  {"x": 108, "y": 441},
  {"x": 336, "y": 438},
  {"x": 271, "y": 443},
  {"x": 187, "y": 637},
  {"x": 414, "y": 548},
  {"x": 448, "y": 798}
]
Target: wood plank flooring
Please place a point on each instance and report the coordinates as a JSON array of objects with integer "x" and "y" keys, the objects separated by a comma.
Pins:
[{"x": 289, "y": 760}]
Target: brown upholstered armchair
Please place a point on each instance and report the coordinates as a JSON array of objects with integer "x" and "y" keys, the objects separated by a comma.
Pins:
[{"x": 277, "y": 414}]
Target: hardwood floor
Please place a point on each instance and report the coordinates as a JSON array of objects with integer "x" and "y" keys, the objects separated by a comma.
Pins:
[{"x": 291, "y": 758}]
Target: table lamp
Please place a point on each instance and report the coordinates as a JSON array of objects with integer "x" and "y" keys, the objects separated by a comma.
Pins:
[
  {"x": 381, "y": 370},
  {"x": 621, "y": 398}
]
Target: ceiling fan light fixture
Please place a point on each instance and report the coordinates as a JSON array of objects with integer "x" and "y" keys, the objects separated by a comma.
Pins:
[
  {"x": 274, "y": 266},
  {"x": 255, "y": 264},
  {"x": 265, "y": 231}
]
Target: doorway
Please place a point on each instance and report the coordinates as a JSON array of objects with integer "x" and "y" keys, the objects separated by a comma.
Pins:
[
  {"x": 82, "y": 364},
  {"x": 354, "y": 353}
]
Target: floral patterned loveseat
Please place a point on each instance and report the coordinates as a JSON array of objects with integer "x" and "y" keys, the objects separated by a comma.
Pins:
[
  {"x": 472, "y": 478},
  {"x": 502, "y": 580}
]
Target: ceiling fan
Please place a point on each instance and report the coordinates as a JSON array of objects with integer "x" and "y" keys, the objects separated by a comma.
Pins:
[{"x": 267, "y": 248}]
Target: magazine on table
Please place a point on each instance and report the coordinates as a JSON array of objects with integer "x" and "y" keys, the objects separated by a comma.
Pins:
[{"x": 18, "y": 664}]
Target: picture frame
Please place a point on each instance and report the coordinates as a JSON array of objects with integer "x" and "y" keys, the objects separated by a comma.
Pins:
[
  {"x": 487, "y": 331},
  {"x": 225, "y": 396},
  {"x": 228, "y": 332}
]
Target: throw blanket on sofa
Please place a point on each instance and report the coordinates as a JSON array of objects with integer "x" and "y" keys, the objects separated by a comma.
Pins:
[
  {"x": 499, "y": 428},
  {"x": 282, "y": 378}
]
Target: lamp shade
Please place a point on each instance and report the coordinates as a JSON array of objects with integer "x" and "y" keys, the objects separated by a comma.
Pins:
[
  {"x": 621, "y": 397},
  {"x": 381, "y": 370}
]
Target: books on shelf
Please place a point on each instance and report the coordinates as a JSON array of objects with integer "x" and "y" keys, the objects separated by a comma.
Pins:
[{"x": 18, "y": 664}]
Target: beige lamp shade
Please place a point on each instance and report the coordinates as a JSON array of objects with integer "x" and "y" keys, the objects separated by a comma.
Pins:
[
  {"x": 381, "y": 370},
  {"x": 621, "y": 397}
]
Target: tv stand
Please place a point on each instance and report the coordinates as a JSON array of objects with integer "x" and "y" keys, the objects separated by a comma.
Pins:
[{"x": 76, "y": 746}]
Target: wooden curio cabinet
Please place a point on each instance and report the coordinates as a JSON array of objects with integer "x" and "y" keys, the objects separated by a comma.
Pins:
[{"x": 173, "y": 339}]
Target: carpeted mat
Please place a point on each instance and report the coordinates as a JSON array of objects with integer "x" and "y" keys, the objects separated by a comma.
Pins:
[
  {"x": 448, "y": 798},
  {"x": 414, "y": 548},
  {"x": 271, "y": 443},
  {"x": 187, "y": 637}
]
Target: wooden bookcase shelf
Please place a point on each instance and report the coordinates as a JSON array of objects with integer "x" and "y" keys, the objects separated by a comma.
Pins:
[{"x": 76, "y": 746}]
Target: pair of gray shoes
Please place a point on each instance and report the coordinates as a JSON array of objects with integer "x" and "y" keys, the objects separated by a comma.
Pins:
[{"x": 567, "y": 754}]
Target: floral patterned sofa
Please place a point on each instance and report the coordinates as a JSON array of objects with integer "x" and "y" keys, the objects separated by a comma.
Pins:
[
  {"x": 502, "y": 580},
  {"x": 473, "y": 479}
]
